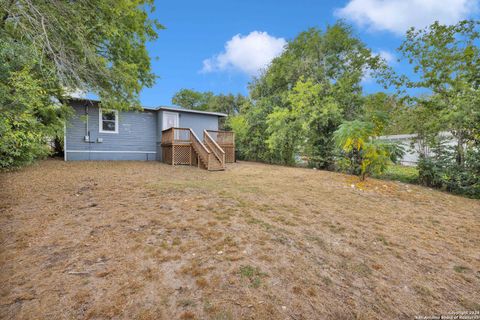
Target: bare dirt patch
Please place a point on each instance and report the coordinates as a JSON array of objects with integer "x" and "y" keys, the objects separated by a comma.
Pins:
[{"x": 135, "y": 240}]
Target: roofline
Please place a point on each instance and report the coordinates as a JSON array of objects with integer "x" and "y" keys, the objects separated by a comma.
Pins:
[
  {"x": 410, "y": 135},
  {"x": 81, "y": 99},
  {"x": 398, "y": 136},
  {"x": 150, "y": 108},
  {"x": 218, "y": 114}
]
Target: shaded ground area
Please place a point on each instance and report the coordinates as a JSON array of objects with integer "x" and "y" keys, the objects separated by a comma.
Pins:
[{"x": 137, "y": 240}]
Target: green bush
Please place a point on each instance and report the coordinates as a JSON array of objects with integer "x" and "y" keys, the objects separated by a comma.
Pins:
[
  {"x": 360, "y": 153},
  {"x": 19, "y": 144},
  {"x": 444, "y": 172}
]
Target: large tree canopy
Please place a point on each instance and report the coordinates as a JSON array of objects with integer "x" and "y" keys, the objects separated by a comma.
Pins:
[
  {"x": 446, "y": 62},
  {"x": 208, "y": 101},
  {"x": 50, "y": 47},
  {"x": 305, "y": 93},
  {"x": 335, "y": 58},
  {"x": 93, "y": 45}
]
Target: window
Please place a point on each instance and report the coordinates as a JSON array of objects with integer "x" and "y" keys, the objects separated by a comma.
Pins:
[{"x": 108, "y": 120}]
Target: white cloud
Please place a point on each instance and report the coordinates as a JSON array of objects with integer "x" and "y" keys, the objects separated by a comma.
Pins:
[
  {"x": 248, "y": 54},
  {"x": 388, "y": 56},
  {"x": 399, "y": 15}
]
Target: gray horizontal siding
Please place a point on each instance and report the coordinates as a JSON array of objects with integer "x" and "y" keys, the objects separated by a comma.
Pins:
[
  {"x": 138, "y": 138},
  {"x": 86, "y": 155},
  {"x": 198, "y": 123},
  {"x": 137, "y": 131}
]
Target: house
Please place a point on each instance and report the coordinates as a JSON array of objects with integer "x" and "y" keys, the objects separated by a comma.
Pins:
[
  {"x": 170, "y": 134},
  {"x": 414, "y": 146}
]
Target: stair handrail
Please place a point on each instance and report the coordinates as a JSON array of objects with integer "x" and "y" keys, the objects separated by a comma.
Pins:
[
  {"x": 224, "y": 137},
  {"x": 195, "y": 142},
  {"x": 217, "y": 150}
]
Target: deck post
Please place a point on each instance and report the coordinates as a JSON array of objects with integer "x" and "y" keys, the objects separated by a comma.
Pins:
[{"x": 173, "y": 147}]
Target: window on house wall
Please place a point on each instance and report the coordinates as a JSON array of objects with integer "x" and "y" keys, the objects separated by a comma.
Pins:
[{"x": 108, "y": 120}]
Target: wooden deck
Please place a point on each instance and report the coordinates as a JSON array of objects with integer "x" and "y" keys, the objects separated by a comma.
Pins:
[
  {"x": 226, "y": 140},
  {"x": 181, "y": 146}
]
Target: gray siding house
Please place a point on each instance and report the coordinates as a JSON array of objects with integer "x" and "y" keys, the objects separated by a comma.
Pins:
[
  {"x": 97, "y": 134},
  {"x": 414, "y": 147}
]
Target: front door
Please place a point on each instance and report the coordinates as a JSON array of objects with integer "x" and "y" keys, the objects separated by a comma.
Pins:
[{"x": 170, "y": 119}]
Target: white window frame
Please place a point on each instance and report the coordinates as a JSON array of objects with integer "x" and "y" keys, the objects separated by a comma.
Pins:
[{"x": 100, "y": 122}]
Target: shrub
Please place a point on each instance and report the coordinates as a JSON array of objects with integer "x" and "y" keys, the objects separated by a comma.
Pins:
[
  {"x": 444, "y": 172},
  {"x": 19, "y": 144},
  {"x": 360, "y": 153}
]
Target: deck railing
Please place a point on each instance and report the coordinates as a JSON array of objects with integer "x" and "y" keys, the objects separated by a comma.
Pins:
[
  {"x": 182, "y": 146},
  {"x": 176, "y": 135},
  {"x": 223, "y": 137},
  {"x": 213, "y": 145},
  {"x": 226, "y": 141}
]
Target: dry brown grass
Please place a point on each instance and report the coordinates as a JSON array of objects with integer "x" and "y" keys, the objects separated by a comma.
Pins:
[{"x": 134, "y": 240}]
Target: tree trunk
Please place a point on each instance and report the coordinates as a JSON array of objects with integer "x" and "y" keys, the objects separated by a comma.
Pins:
[
  {"x": 363, "y": 176},
  {"x": 460, "y": 153}
]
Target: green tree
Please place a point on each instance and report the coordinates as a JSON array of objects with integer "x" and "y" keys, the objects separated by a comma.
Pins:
[
  {"x": 361, "y": 154},
  {"x": 192, "y": 99},
  {"x": 227, "y": 103},
  {"x": 446, "y": 60},
  {"x": 306, "y": 126},
  {"x": 208, "y": 101},
  {"x": 334, "y": 58},
  {"x": 386, "y": 112},
  {"x": 285, "y": 134},
  {"x": 330, "y": 64},
  {"x": 48, "y": 46},
  {"x": 28, "y": 115},
  {"x": 251, "y": 138}
]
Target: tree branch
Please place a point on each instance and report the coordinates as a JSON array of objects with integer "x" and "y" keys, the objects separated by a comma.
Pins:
[{"x": 6, "y": 15}]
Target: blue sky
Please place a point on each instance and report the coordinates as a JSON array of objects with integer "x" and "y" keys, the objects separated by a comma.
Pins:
[{"x": 215, "y": 45}]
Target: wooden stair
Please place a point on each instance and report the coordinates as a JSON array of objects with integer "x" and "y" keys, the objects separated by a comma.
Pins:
[{"x": 182, "y": 146}]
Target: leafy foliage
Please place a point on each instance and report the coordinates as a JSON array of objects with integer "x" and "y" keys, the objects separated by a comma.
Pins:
[
  {"x": 192, "y": 99},
  {"x": 443, "y": 171},
  {"x": 50, "y": 47},
  {"x": 299, "y": 101},
  {"x": 251, "y": 138},
  {"x": 208, "y": 101},
  {"x": 306, "y": 126},
  {"x": 28, "y": 116},
  {"x": 446, "y": 60},
  {"x": 360, "y": 153},
  {"x": 96, "y": 46}
]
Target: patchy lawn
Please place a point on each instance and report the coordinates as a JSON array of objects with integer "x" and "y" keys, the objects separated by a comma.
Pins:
[
  {"x": 407, "y": 174},
  {"x": 134, "y": 240}
]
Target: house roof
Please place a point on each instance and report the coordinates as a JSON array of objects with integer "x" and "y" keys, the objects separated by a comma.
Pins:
[
  {"x": 180, "y": 109},
  {"x": 82, "y": 99},
  {"x": 444, "y": 134},
  {"x": 169, "y": 108}
]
